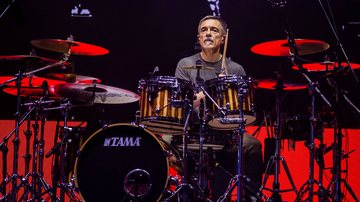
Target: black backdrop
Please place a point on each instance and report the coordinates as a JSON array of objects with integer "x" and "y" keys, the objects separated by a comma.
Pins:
[{"x": 142, "y": 34}]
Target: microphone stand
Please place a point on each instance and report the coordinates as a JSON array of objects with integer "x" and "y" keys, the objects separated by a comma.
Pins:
[
  {"x": 337, "y": 146},
  {"x": 338, "y": 42},
  {"x": 294, "y": 57}
]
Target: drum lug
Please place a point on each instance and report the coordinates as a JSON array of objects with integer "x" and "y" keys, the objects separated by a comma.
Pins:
[{"x": 174, "y": 180}]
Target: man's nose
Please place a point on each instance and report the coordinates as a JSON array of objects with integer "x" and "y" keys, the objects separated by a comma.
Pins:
[{"x": 208, "y": 33}]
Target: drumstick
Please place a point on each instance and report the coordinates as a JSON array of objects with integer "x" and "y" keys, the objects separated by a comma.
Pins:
[{"x": 223, "y": 63}]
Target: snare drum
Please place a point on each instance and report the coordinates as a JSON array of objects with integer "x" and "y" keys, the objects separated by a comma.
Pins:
[
  {"x": 224, "y": 91},
  {"x": 124, "y": 162},
  {"x": 162, "y": 104}
]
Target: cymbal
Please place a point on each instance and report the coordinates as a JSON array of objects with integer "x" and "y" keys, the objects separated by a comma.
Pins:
[
  {"x": 96, "y": 93},
  {"x": 30, "y": 86},
  {"x": 35, "y": 92},
  {"x": 12, "y": 64},
  {"x": 62, "y": 46},
  {"x": 270, "y": 84},
  {"x": 326, "y": 66},
  {"x": 73, "y": 78},
  {"x": 195, "y": 67},
  {"x": 32, "y": 81},
  {"x": 282, "y": 47}
]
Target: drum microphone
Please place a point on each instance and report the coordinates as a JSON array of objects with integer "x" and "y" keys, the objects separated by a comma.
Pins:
[{"x": 156, "y": 69}]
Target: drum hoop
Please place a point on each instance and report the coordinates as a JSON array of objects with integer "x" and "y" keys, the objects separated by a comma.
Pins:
[
  {"x": 229, "y": 79},
  {"x": 163, "y": 80},
  {"x": 114, "y": 125}
]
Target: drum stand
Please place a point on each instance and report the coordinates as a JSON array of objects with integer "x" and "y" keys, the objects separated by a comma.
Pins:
[
  {"x": 184, "y": 187},
  {"x": 274, "y": 161},
  {"x": 239, "y": 180}
]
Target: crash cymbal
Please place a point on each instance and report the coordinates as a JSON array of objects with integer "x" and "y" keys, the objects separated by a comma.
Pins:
[
  {"x": 73, "y": 78},
  {"x": 30, "y": 86},
  {"x": 62, "y": 46},
  {"x": 271, "y": 85},
  {"x": 32, "y": 81},
  {"x": 98, "y": 93},
  {"x": 326, "y": 66},
  {"x": 12, "y": 64},
  {"x": 282, "y": 47},
  {"x": 34, "y": 92}
]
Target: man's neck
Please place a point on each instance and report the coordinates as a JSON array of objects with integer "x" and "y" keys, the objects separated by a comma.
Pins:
[{"x": 210, "y": 56}]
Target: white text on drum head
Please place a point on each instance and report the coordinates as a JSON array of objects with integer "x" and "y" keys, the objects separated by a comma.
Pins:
[{"x": 122, "y": 142}]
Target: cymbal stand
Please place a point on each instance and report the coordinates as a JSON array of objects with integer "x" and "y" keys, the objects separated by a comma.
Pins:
[
  {"x": 274, "y": 161},
  {"x": 4, "y": 149},
  {"x": 27, "y": 155},
  {"x": 38, "y": 182},
  {"x": 308, "y": 186},
  {"x": 184, "y": 181},
  {"x": 337, "y": 147},
  {"x": 240, "y": 181},
  {"x": 66, "y": 187}
]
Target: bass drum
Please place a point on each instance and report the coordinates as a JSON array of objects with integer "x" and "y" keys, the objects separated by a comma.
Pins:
[{"x": 124, "y": 162}]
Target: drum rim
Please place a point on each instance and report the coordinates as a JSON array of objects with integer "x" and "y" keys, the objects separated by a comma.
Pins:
[
  {"x": 163, "y": 80},
  {"x": 110, "y": 126}
]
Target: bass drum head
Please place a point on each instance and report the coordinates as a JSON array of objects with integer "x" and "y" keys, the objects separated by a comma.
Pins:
[{"x": 122, "y": 162}]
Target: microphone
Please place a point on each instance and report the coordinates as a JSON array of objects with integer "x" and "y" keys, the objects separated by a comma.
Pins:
[
  {"x": 156, "y": 69},
  {"x": 45, "y": 87}
]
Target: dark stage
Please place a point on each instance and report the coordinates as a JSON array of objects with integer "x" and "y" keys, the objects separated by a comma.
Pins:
[{"x": 119, "y": 44}]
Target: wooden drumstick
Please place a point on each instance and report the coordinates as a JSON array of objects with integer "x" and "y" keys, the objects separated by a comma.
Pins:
[{"x": 223, "y": 63}]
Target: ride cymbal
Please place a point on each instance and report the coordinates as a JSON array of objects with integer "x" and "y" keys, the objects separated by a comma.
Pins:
[
  {"x": 271, "y": 85},
  {"x": 63, "y": 46},
  {"x": 96, "y": 93},
  {"x": 326, "y": 66},
  {"x": 282, "y": 47}
]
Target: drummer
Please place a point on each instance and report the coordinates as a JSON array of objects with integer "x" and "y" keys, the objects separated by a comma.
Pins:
[{"x": 211, "y": 36}]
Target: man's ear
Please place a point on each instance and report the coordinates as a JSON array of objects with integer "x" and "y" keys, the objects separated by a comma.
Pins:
[{"x": 223, "y": 39}]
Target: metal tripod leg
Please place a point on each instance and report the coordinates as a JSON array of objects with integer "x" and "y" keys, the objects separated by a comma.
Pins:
[{"x": 276, "y": 187}]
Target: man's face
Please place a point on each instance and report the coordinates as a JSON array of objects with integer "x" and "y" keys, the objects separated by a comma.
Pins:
[{"x": 210, "y": 34}]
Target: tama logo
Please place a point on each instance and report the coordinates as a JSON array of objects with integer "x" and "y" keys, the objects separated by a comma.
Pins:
[{"x": 122, "y": 142}]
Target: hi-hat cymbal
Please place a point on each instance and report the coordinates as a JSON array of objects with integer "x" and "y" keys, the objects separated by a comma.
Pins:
[
  {"x": 271, "y": 85},
  {"x": 12, "y": 64},
  {"x": 62, "y": 46},
  {"x": 73, "y": 78},
  {"x": 282, "y": 47},
  {"x": 195, "y": 67},
  {"x": 96, "y": 93},
  {"x": 326, "y": 66}
]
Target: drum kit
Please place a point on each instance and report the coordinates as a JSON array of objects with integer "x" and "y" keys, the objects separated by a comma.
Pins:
[{"x": 110, "y": 163}]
